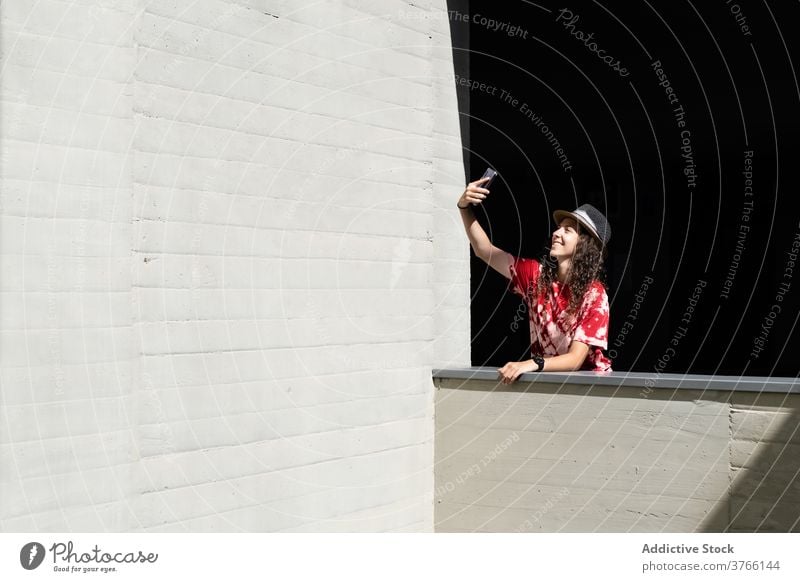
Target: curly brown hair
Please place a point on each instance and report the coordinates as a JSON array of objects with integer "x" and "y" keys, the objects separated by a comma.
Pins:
[{"x": 586, "y": 267}]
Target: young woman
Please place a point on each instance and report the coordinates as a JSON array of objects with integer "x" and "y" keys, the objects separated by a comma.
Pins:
[{"x": 567, "y": 302}]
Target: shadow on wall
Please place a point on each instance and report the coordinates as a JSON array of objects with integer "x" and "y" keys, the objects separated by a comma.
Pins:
[{"x": 764, "y": 464}]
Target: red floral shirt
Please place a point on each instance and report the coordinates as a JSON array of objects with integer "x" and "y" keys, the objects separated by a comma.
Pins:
[{"x": 551, "y": 330}]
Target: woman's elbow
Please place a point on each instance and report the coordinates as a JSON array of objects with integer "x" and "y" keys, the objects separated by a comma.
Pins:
[
  {"x": 579, "y": 353},
  {"x": 483, "y": 254}
]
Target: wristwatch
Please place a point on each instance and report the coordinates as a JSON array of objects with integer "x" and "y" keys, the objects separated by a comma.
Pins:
[{"x": 539, "y": 362}]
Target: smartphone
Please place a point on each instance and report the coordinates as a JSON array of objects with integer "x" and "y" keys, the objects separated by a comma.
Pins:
[{"x": 489, "y": 173}]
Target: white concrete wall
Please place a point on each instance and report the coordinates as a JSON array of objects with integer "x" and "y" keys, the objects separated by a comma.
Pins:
[
  {"x": 222, "y": 225},
  {"x": 560, "y": 458},
  {"x": 68, "y": 353}
]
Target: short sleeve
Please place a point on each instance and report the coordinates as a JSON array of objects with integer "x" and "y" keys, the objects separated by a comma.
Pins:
[
  {"x": 524, "y": 273},
  {"x": 592, "y": 327}
]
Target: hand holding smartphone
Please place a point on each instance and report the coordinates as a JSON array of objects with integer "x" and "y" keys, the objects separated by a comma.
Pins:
[{"x": 474, "y": 193}]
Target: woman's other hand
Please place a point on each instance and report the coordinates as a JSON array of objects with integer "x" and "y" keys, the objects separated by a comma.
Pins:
[{"x": 512, "y": 370}]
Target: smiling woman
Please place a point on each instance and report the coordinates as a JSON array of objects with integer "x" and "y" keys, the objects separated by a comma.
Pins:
[{"x": 567, "y": 302}]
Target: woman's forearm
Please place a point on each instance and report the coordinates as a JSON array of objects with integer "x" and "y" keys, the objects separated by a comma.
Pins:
[
  {"x": 569, "y": 362},
  {"x": 563, "y": 363},
  {"x": 477, "y": 236},
  {"x": 475, "y": 194}
]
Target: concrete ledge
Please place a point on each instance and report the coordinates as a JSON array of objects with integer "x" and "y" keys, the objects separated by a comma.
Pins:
[
  {"x": 585, "y": 452},
  {"x": 637, "y": 379}
]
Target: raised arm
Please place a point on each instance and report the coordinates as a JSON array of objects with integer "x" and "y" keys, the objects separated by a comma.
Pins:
[{"x": 494, "y": 256}]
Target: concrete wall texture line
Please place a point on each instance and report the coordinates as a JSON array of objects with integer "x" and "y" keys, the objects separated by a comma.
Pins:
[{"x": 219, "y": 222}]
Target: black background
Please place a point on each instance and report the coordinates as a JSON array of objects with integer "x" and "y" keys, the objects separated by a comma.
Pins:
[{"x": 739, "y": 93}]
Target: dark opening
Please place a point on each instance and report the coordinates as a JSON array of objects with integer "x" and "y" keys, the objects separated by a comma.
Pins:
[{"x": 652, "y": 112}]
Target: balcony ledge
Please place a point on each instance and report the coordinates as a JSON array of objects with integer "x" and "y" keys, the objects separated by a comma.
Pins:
[{"x": 635, "y": 379}]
